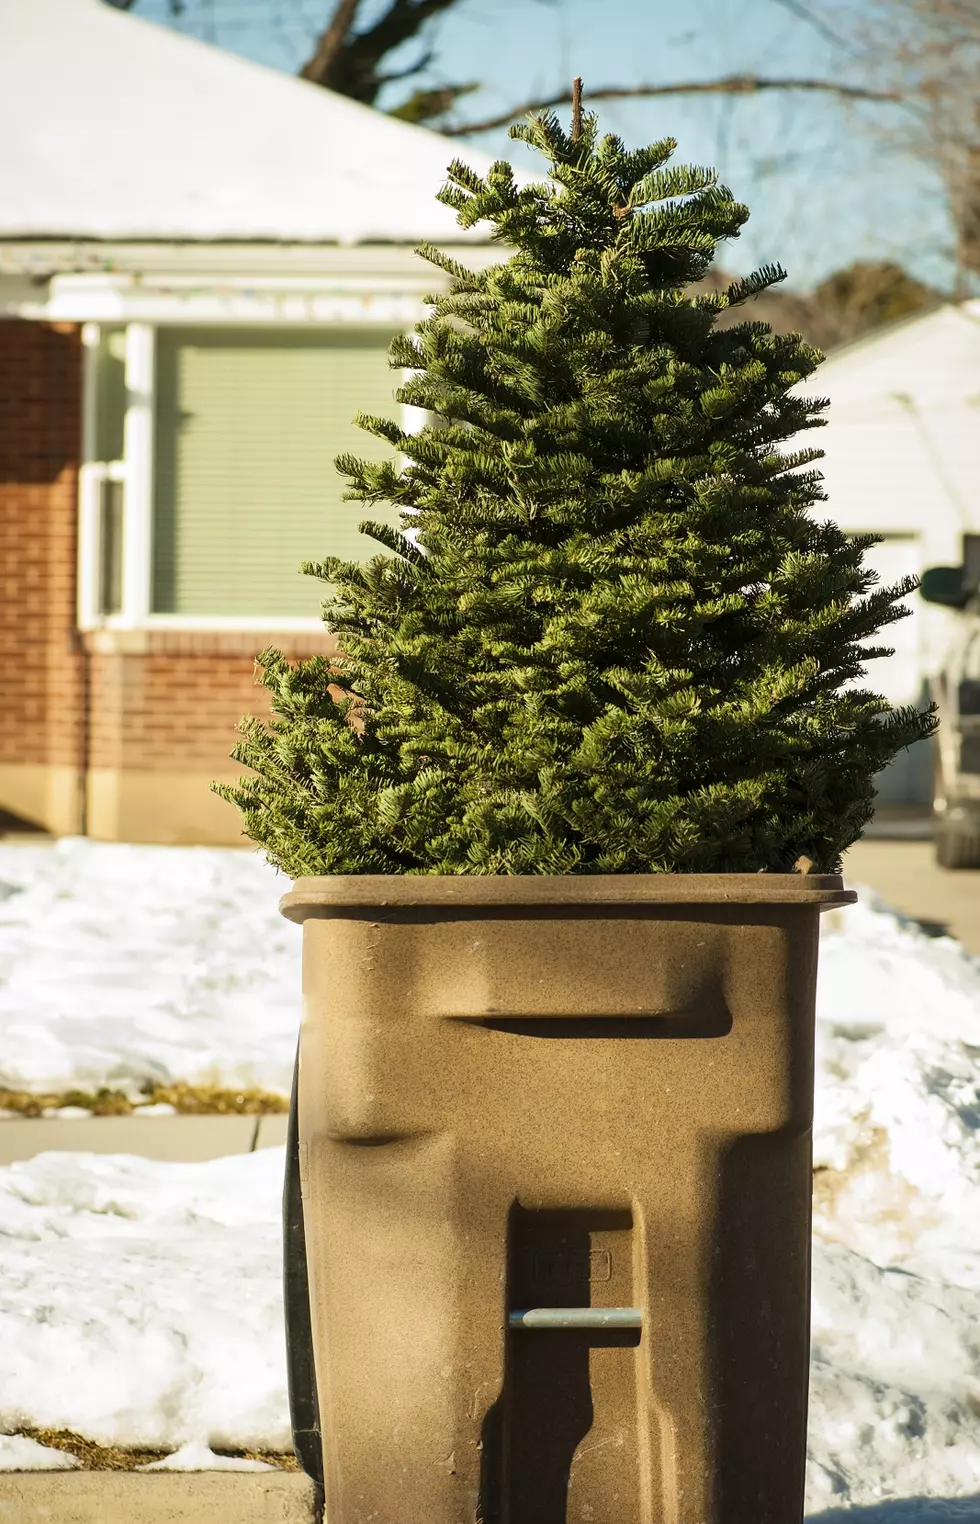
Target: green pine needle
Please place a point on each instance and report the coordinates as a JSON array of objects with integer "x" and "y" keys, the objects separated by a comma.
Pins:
[{"x": 609, "y": 636}]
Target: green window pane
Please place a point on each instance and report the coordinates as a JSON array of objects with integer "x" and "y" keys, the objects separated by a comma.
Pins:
[
  {"x": 110, "y": 394},
  {"x": 247, "y": 427},
  {"x": 112, "y": 500}
]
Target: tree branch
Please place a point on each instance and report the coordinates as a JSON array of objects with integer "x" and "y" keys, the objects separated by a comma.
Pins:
[
  {"x": 423, "y": 106},
  {"x": 733, "y": 84},
  {"x": 176, "y": 7},
  {"x": 407, "y": 73},
  {"x": 803, "y": 13},
  {"x": 349, "y": 61},
  {"x": 330, "y": 43}
]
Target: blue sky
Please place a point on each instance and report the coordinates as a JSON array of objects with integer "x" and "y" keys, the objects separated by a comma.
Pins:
[{"x": 825, "y": 181}]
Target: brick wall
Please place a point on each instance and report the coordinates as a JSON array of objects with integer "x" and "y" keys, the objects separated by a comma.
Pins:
[
  {"x": 164, "y": 710},
  {"x": 167, "y": 700},
  {"x": 131, "y": 703},
  {"x": 40, "y": 657}
]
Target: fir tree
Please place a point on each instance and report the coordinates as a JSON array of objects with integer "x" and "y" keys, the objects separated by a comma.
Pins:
[{"x": 609, "y": 637}]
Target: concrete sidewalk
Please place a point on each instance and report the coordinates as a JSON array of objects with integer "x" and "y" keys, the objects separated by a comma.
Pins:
[
  {"x": 179, "y": 1139},
  {"x": 176, "y": 1497}
]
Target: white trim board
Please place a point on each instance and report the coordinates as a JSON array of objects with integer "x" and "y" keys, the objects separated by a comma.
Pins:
[
  {"x": 228, "y": 624},
  {"x": 389, "y": 262},
  {"x": 123, "y": 299}
]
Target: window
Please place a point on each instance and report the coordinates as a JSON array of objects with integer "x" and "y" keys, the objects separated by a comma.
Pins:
[{"x": 227, "y": 480}]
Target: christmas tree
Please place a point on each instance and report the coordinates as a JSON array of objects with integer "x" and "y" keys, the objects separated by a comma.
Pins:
[{"x": 608, "y": 637}]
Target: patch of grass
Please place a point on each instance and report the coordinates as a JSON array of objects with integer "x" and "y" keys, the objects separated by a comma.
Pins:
[
  {"x": 197, "y": 1100},
  {"x": 95, "y": 1457},
  {"x": 187, "y": 1100},
  {"x": 281, "y": 1461},
  {"x": 103, "y": 1103}
]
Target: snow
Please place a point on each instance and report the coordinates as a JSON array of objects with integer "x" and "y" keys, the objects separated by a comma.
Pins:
[
  {"x": 121, "y": 965},
  {"x": 197, "y": 1456},
  {"x": 18, "y": 1453},
  {"x": 894, "y": 1390},
  {"x": 895, "y": 1330},
  {"x": 128, "y": 130},
  {"x": 897, "y": 1114},
  {"x": 140, "y": 1302}
]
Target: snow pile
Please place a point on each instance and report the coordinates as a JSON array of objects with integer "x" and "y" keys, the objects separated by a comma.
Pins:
[
  {"x": 141, "y": 1303},
  {"x": 897, "y": 1114},
  {"x": 195, "y": 1455},
  {"x": 18, "y": 1453},
  {"x": 895, "y": 1342},
  {"x": 125, "y": 964},
  {"x": 894, "y": 1388}
]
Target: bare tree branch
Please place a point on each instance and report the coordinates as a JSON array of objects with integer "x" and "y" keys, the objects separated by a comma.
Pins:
[
  {"x": 330, "y": 43},
  {"x": 175, "y": 7},
  {"x": 349, "y": 61},
  {"x": 411, "y": 69},
  {"x": 803, "y": 13},
  {"x": 733, "y": 84},
  {"x": 929, "y": 50}
]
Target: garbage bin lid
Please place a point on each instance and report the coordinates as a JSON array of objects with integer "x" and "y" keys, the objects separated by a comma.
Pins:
[{"x": 339, "y": 894}]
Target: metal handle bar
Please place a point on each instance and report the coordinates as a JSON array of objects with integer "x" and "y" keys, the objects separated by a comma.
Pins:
[{"x": 576, "y": 1317}]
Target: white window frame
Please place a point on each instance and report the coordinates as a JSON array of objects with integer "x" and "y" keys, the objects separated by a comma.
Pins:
[
  {"x": 138, "y": 458},
  {"x": 136, "y": 471},
  {"x": 91, "y": 475}
]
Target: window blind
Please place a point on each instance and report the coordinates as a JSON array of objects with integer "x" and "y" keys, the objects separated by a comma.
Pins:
[{"x": 248, "y": 423}]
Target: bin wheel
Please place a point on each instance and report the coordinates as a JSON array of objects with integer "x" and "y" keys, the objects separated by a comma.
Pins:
[
  {"x": 957, "y": 846},
  {"x": 304, "y": 1406}
]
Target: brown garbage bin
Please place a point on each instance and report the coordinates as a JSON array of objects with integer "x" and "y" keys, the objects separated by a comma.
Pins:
[{"x": 555, "y": 1154}]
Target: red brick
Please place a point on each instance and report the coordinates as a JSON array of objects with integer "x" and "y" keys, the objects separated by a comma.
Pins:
[{"x": 171, "y": 708}]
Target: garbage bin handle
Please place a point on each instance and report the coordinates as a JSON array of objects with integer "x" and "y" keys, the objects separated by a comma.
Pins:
[{"x": 575, "y": 1317}]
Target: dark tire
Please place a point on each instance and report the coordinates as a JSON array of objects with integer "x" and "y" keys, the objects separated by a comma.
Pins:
[
  {"x": 304, "y": 1406},
  {"x": 957, "y": 845}
]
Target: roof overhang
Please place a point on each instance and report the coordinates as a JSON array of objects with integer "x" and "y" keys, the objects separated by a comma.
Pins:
[{"x": 72, "y": 281}]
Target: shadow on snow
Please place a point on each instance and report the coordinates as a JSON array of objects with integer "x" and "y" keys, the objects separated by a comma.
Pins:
[{"x": 965, "y": 1510}]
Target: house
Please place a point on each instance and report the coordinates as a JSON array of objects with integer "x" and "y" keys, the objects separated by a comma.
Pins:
[
  {"x": 903, "y": 461},
  {"x": 202, "y": 262}
]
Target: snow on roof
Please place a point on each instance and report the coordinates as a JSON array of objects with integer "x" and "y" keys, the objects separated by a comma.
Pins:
[{"x": 116, "y": 128}]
